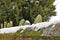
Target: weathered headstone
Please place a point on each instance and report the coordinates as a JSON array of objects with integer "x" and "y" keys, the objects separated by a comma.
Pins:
[{"x": 5, "y": 24}]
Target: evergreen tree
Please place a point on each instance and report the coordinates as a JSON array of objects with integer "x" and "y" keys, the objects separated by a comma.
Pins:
[{"x": 15, "y": 10}]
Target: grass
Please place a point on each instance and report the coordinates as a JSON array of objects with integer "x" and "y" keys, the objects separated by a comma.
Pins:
[{"x": 25, "y": 33}]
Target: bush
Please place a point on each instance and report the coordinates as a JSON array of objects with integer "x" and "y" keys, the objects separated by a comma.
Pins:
[{"x": 15, "y": 10}]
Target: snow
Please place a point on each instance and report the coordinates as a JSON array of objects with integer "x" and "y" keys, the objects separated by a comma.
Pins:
[
  {"x": 41, "y": 25},
  {"x": 15, "y": 29},
  {"x": 55, "y": 19},
  {"x": 57, "y": 6},
  {"x": 27, "y": 22}
]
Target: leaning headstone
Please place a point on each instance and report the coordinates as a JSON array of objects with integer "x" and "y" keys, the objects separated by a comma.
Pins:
[
  {"x": 8, "y": 25},
  {"x": 11, "y": 23},
  {"x": 5, "y": 24},
  {"x": 22, "y": 21},
  {"x": 27, "y": 22},
  {"x": 1, "y": 25},
  {"x": 38, "y": 19}
]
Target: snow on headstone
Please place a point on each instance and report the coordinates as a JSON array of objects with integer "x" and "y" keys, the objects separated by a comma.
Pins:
[{"x": 27, "y": 22}]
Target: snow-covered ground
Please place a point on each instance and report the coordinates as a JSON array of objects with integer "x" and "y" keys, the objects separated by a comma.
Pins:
[
  {"x": 52, "y": 20},
  {"x": 15, "y": 29},
  {"x": 57, "y": 6},
  {"x": 56, "y": 19}
]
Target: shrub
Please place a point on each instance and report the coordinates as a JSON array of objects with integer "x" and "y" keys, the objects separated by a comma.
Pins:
[{"x": 15, "y": 10}]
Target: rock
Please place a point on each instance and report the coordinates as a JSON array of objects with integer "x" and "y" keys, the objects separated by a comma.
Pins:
[{"x": 54, "y": 30}]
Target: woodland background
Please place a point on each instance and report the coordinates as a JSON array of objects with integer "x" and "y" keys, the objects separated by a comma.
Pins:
[{"x": 15, "y": 10}]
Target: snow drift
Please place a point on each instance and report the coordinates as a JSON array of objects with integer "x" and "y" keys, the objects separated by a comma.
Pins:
[
  {"x": 56, "y": 19},
  {"x": 15, "y": 29}
]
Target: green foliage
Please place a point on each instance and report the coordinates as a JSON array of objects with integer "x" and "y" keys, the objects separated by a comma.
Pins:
[
  {"x": 22, "y": 21},
  {"x": 38, "y": 19},
  {"x": 15, "y": 10},
  {"x": 31, "y": 33}
]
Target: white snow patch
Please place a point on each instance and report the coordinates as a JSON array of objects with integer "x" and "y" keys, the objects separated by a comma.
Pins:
[
  {"x": 41, "y": 25},
  {"x": 15, "y": 29},
  {"x": 57, "y": 6},
  {"x": 55, "y": 19},
  {"x": 27, "y": 22},
  {"x": 12, "y": 29}
]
